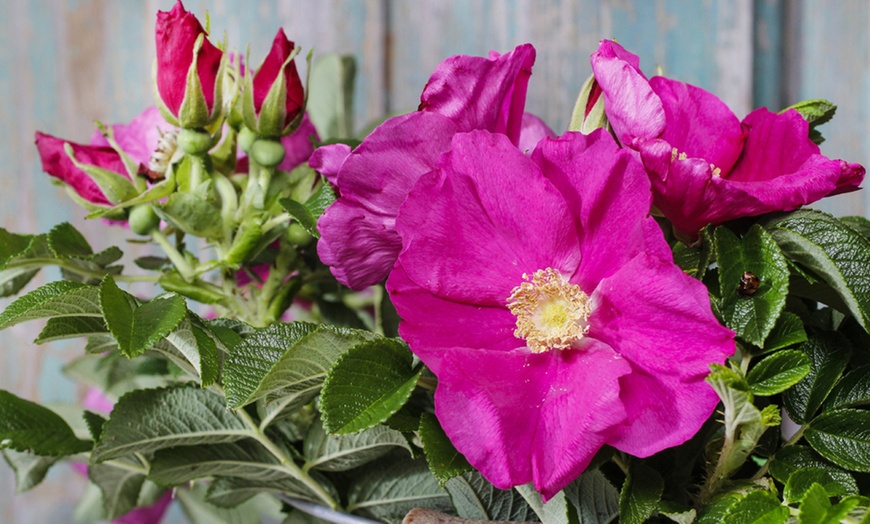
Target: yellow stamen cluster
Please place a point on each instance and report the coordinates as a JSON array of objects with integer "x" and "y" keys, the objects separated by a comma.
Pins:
[
  {"x": 551, "y": 312},
  {"x": 676, "y": 155}
]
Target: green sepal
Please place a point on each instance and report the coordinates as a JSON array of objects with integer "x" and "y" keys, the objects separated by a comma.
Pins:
[
  {"x": 114, "y": 186},
  {"x": 596, "y": 119}
]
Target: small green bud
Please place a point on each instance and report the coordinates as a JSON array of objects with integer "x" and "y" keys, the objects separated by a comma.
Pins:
[
  {"x": 194, "y": 142},
  {"x": 246, "y": 139},
  {"x": 246, "y": 239},
  {"x": 297, "y": 235},
  {"x": 143, "y": 220},
  {"x": 268, "y": 153}
]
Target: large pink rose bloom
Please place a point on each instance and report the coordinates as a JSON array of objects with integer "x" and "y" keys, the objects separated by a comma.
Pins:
[
  {"x": 545, "y": 299},
  {"x": 358, "y": 238},
  {"x": 706, "y": 166}
]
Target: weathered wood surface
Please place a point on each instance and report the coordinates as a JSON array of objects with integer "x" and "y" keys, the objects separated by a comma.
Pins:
[{"x": 65, "y": 63}]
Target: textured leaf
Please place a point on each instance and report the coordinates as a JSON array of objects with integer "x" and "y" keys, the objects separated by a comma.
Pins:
[
  {"x": 594, "y": 497},
  {"x": 640, "y": 494},
  {"x": 29, "y": 469},
  {"x": 330, "y": 102},
  {"x": 843, "y": 437},
  {"x": 476, "y": 498},
  {"x": 788, "y": 331},
  {"x": 199, "y": 510},
  {"x": 66, "y": 241},
  {"x": 11, "y": 245},
  {"x": 778, "y": 372},
  {"x": 389, "y": 490},
  {"x": 13, "y": 280},
  {"x": 26, "y": 426},
  {"x": 55, "y": 299},
  {"x": 367, "y": 385},
  {"x": 791, "y": 459},
  {"x": 814, "y": 505},
  {"x": 138, "y": 328},
  {"x": 243, "y": 459},
  {"x": 148, "y": 420},
  {"x": 557, "y": 510},
  {"x": 829, "y": 354},
  {"x": 228, "y": 492},
  {"x": 192, "y": 341},
  {"x": 340, "y": 453},
  {"x": 859, "y": 224},
  {"x": 757, "y": 507},
  {"x": 801, "y": 480},
  {"x": 308, "y": 213},
  {"x": 60, "y": 328},
  {"x": 120, "y": 487},
  {"x": 852, "y": 390},
  {"x": 191, "y": 214},
  {"x": 443, "y": 459},
  {"x": 751, "y": 313},
  {"x": 816, "y": 112},
  {"x": 833, "y": 250}
]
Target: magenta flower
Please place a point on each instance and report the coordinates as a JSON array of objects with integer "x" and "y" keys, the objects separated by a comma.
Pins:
[
  {"x": 275, "y": 96},
  {"x": 545, "y": 299},
  {"x": 188, "y": 69},
  {"x": 707, "y": 167},
  {"x": 358, "y": 238}
]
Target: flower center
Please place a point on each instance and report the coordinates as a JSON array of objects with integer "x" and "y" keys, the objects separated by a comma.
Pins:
[
  {"x": 676, "y": 155},
  {"x": 551, "y": 312}
]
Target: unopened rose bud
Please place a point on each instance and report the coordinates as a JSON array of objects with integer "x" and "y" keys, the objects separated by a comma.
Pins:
[
  {"x": 274, "y": 96},
  {"x": 589, "y": 109}
]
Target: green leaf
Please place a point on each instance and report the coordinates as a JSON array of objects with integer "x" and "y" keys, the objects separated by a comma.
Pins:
[
  {"x": 243, "y": 459},
  {"x": 640, "y": 494},
  {"x": 330, "y": 101},
  {"x": 148, "y": 420},
  {"x": 65, "y": 241},
  {"x": 859, "y": 224},
  {"x": 788, "y": 331},
  {"x": 95, "y": 423},
  {"x": 751, "y": 313},
  {"x": 287, "y": 362},
  {"x": 26, "y": 426},
  {"x": 308, "y": 213},
  {"x": 801, "y": 480},
  {"x": 835, "y": 252},
  {"x": 55, "y": 299},
  {"x": 367, "y": 385},
  {"x": 778, "y": 372},
  {"x": 162, "y": 189},
  {"x": 12, "y": 245},
  {"x": 816, "y": 112},
  {"x": 390, "y": 490},
  {"x": 829, "y": 354},
  {"x": 843, "y": 437},
  {"x": 594, "y": 497},
  {"x": 192, "y": 341},
  {"x": 138, "y": 328},
  {"x": 852, "y": 390},
  {"x": 120, "y": 486},
  {"x": 757, "y": 507},
  {"x": 191, "y": 214},
  {"x": 476, "y": 498},
  {"x": 443, "y": 459},
  {"x": 791, "y": 459},
  {"x": 13, "y": 280},
  {"x": 29, "y": 469},
  {"x": 341, "y": 453},
  {"x": 199, "y": 509},
  {"x": 814, "y": 505},
  {"x": 61, "y": 328},
  {"x": 557, "y": 510}
]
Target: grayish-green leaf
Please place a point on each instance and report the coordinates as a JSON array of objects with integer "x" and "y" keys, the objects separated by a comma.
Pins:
[
  {"x": 13, "y": 280},
  {"x": 594, "y": 497},
  {"x": 389, "y": 490},
  {"x": 833, "y": 250},
  {"x": 120, "y": 486},
  {"x": 843, "y": 437},
  {"x": 26, "y": 426},
  {"x": 829, "y": 354},
  {"x": 29, "y": 469},
  {"x": 340, "y": 453},
  {"x": 199, "y": 510},
  {"x": 751, "y": 313},
  {"x": 190, "y": 339},
  {"x": 330, "y": 100},
  {"x": 60, "y": 328},
  {"x": 55, "y": 299},
  {"x": 148, "y": 420},
  {"x": 243, "y": 459},
  {"x": 778, "y": 372},
  {"x": 640, "y": 494},
  {"x": 475, "y": 498}
]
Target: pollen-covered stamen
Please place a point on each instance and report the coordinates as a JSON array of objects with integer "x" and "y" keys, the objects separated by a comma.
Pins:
[
  {"x": 166, "y": 146},
  {"x": 676, "y": 155},
  {"x": 551, "y": 312}
]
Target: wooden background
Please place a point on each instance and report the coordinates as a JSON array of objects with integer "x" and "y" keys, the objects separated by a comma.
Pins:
[{"x": 65, "y": 63}]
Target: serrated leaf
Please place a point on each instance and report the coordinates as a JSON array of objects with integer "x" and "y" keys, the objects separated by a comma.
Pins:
[
  {"x": 29, "y": 469},
  {"x": 389, "y": 490},
  {"x": 148, "y": 420},
  {"x": 192, "y": 341},
  {"x": 778, "y": 372},
  {"x": 228, "y": 492},
  {"x": 341, "y": 453},
  {"x": 843, "y": 437},
  {"x": 852, "y": 390},
  {"x": 791, "y": 459},
  {"x": 640, "y": 494},
  {"x": 557, "y": 510},
  {"x": 330, "y": 103},
  {"x": 99, "y": 344},
  {"x": 788, "y": 331},
  {"x": 814, "y": 505},
  {"x": 138, "y": 328},
  {"x": 475, "y": 498},
  {"x": 308, "y": 213},
  {"x": 594, "y": 497},
  {"x": 95, "y": 423},
  {"x": 11, "y": 245},
  {"x": 191, "y": 214},
  {"x": 55, "y": 299},
  {"x": 858, "y": 223},
  {"x": 757, "y": 507},
  {"x": 243, "y": 459},
  {"x": 367, "y": 385},
  {"x": 443, "y": 459},
  {"x": 751, "y": 313},
  {"x": 66, "y": 241},
  {"x": 832, "y": 250},
  {"x": 13, "y": 280},
  {"x": 829, "y": 354},
  {"x": 61, "y": 328},
  {"x": 801, "y": 480},
  {"x": 27, "y": 426},
  {"x": 816, "y": 112},
  {"x": 120, "y": 487},
  {"x": 151, "y": 262}
]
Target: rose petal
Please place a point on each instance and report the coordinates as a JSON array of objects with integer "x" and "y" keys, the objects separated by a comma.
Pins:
[{"x": 56, "y": 163}]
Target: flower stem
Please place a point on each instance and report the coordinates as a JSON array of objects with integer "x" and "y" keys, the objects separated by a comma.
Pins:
[
  {"x": 63, "y": 264},
  {"x": 178, "y": 260}
]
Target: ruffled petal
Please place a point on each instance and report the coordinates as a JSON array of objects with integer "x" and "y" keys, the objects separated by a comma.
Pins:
[
  {"x": 358, "y": 238},
  {"x": 482, "y": 93},
  {"x": 140, "y": 137},
  {"x": 472, "y": 229},
  {"x": 298, "y": 145},
  {"x": 520, "y": 417},
  {"x": 327, "y": 160},
  {"x": 608, "y": 194},
  {"x": 533, "y": 131},
  {"x": 633, "y": 109}
]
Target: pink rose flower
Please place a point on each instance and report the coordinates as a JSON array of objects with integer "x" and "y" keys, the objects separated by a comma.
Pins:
[
  {"x": 358, "y": 238},
  {"x": 706, "y": 166},
  {"x": 279, "y": 74},
  {"x": 189, "y": 100},
  {"x": 546, "y": 301}
]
